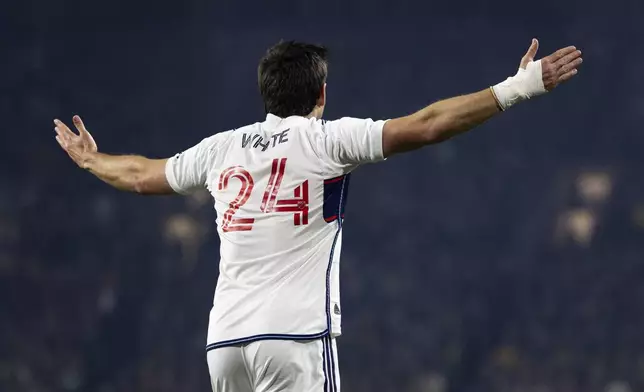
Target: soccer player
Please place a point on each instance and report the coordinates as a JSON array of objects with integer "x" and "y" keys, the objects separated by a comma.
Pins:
[{"x": 280, "y": 188}]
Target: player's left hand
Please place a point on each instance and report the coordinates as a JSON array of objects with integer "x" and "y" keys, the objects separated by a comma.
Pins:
[
  {"x": 556, "y": 68},
  {"x": 78, "y": 146}
]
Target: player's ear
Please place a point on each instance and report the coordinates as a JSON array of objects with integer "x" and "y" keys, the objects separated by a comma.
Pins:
[{"x": 322, "y": 98}]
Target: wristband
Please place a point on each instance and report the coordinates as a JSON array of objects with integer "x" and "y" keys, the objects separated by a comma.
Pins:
[{"x": 527, "y": 83}]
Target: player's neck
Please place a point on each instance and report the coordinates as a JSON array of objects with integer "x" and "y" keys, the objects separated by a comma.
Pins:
[{"x": 315, "y": 113}]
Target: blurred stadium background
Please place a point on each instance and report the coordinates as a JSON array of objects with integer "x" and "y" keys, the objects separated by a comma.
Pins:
[{"x": 508, "y": 260}]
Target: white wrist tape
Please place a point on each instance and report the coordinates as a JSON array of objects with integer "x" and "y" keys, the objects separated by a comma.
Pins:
[{"x": 527, "y": 83}]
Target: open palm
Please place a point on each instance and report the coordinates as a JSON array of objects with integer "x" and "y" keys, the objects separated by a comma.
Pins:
[
  {"x": 79, "y": 146},
  {"x": 556, "y": 68}
]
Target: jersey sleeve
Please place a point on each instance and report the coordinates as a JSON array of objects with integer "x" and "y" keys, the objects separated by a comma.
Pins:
[
  {"x": 350, "y": 142},
  {"x": 188, "y": 170}
]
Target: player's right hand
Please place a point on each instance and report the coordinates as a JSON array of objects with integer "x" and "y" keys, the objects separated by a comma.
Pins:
[
  {"x": 79, "y": 146},
  {"x": 558, "y": 67}
]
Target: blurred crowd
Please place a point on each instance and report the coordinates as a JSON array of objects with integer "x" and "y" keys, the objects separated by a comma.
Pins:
[
  {"x": 108, "y": 292},
  {"x": 508, "y": 260}
]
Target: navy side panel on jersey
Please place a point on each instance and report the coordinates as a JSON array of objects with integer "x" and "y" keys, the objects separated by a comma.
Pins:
[{"x": 336, "y": 192}]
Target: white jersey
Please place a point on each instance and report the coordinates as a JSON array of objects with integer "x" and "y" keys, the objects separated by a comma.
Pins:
[{"x": 279, "y": 187}]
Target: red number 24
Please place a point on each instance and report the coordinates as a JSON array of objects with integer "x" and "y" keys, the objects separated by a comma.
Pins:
[{"x": 298, "y": 205}]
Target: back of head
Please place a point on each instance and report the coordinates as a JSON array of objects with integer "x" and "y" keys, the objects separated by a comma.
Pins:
[{"x": 291, "y": 78}]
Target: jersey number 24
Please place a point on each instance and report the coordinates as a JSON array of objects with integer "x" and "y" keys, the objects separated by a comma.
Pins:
[{"x": 298, "y": 205}]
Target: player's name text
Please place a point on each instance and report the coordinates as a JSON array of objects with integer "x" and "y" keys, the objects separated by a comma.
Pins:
[{"x": 258, "y": 141}]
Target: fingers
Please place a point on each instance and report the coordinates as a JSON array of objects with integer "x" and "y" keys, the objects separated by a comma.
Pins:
[
  {"x": 78, "y": 123},
  {"x": 560, "y": 66},
  {"x": 529, "y": 56},
  {"x": 568, "y": 59},
  {"x": 62, "y": 130},
  {"x": 84, "y": 133},
  {"x": 561, "y": 53},
  {"x": 60, "y": 141},
  {"x": 66, "y": 137},
  {"x": 567, "y": 76},
  {"x": 571, "y": 65},
  {"x": 63, "y": 137},
  {"x": 64, "y": 144},
  {"x": 66, "y": 147}
]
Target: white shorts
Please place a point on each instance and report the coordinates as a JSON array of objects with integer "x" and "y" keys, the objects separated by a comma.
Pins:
[{"x": 276, "y": 365}]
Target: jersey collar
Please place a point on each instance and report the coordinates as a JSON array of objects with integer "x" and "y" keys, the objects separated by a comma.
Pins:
[{"x": 273, "y": 121}]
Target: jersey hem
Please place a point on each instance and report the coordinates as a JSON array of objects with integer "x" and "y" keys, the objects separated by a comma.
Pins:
[{"x": 268, "y": 336}]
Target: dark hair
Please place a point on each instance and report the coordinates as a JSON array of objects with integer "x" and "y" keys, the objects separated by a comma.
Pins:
[{"x": 291, "y": 76}]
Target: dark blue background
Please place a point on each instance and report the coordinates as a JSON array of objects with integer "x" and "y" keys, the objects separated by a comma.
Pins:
[{"x": 460, "y": 271}]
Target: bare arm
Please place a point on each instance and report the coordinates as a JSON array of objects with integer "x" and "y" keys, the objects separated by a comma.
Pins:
[
  {"x": 447, "y": 118},
  {"x": 130, "y": 173},
  {"x": 438, "y": 122}
]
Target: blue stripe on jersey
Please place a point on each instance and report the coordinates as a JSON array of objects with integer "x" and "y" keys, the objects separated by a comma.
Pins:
[
  {"x": 328, "y": 280},
  {"x": 341, "y": 202},
  {"x": 268, "y": 336},
  {"x": 336, "y": 192}
]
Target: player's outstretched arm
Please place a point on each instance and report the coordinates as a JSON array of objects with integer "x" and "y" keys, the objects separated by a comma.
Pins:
[
  {"x": 447, "y": 118},
  {"x": 125, "y": 172}
]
